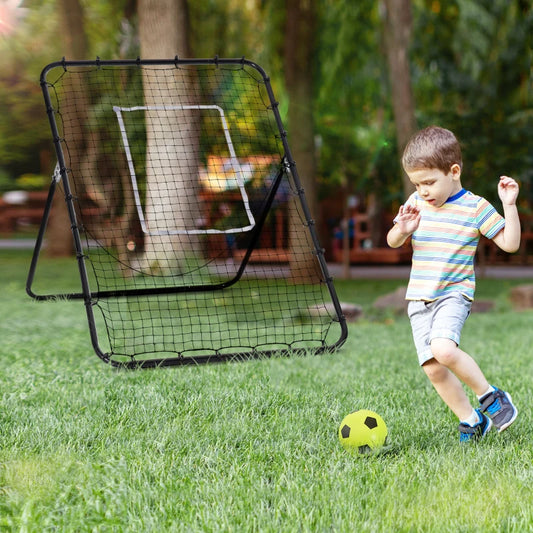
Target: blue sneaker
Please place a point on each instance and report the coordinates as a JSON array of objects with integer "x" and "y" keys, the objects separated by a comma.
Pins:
[
  {"x": 477, "y": 431},
  {"x": 500, "y": 408}
]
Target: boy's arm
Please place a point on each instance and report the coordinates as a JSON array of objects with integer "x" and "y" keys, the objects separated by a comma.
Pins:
[
  {"x": 508, "y": 239},
  {"x": 406, "y": 223}
]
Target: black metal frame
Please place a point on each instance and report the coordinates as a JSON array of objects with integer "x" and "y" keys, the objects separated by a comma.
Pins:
[{"x": 287, "y": 165}]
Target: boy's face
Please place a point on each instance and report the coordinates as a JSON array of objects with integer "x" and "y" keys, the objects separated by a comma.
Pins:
[{"x": 434, "y": 186}]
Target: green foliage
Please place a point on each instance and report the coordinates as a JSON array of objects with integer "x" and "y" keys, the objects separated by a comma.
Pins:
[
  {"x": 353, "y": 113},
  {"x": 22, "y": 126},
  {"x": 6, "y": 182},
  {"x": 109, "y": 27},
  {"x": 24, "y": 129},
  {"x": 471, "y": 72},
  {"x": 32, "y": 182},
  {"x": 229, "y": 29}
]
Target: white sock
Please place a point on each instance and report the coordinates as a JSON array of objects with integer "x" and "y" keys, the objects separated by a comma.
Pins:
[
  {"x": 488, "y": 391},
  {"x": 472, "y": 419}
]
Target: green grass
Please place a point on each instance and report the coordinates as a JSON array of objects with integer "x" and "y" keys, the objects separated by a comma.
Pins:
[{"x": 251, "y": 446}]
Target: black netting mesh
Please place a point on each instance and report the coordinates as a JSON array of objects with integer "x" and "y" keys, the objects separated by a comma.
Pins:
[{"x": 193, "y": 232}]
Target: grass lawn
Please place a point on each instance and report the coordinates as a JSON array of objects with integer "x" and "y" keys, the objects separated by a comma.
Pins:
[{"x": 252, "y": 446}]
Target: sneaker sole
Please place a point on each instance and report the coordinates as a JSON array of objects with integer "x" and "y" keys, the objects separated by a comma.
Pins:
[{"x": 507, "y": 424}]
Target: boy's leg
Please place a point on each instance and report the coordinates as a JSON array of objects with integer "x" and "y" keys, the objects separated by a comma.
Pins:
[
  {"x": 445, "y": 316},
  {"x": 498, "y": 404},
  {"x": 449, "y": 388},
  {"x": 448, "y": 354}
]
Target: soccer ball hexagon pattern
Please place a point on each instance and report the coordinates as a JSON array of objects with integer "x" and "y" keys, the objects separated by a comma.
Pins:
[{"x": 362, "y": 431}]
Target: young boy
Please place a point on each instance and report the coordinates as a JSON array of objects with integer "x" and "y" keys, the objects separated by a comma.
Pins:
[{"x": 445, "y": 223}]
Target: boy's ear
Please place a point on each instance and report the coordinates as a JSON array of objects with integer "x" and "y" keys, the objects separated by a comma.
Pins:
[{"x": 456, "y": 171}]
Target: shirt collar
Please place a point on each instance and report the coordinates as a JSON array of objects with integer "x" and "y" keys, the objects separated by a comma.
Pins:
[{"x": 456, "y": 195}]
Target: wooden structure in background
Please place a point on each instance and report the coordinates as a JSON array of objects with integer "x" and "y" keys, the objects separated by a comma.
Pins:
[
  {"x": 27, "y": 210},
  {"x": 273, "y": 245},
  {"x": 360, "y": 250}
]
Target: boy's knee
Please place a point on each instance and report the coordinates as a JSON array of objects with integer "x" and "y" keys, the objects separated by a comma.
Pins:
[
  {"x": 435, "y": 371},
  {"x": 444, "y": 351}
]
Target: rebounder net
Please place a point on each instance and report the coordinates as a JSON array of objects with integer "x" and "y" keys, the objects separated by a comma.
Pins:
[{"x": 192, "y": 234}]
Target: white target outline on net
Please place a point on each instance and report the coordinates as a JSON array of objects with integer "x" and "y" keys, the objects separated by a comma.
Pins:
[{"x": 233, "y": 159}]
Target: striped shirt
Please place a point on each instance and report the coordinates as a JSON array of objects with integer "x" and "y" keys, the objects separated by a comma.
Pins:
[{"x": 445, "y": 242}]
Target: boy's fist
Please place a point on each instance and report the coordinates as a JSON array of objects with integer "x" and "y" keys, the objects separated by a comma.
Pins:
[{"x": 507, "y": 190}]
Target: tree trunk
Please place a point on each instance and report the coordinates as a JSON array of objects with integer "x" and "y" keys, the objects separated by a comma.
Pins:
[
  {"x": 299, "y": 62},
  {"x": 397, "y": 33},
  {"x": 59, "y": 242},
  {"x": 171, "y": 168}
]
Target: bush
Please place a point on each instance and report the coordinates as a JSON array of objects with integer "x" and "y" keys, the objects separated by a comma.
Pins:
[{"x": 31, "y": 182}]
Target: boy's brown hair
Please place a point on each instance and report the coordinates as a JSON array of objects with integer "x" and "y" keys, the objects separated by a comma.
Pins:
[{"x": 432, "y": 147}]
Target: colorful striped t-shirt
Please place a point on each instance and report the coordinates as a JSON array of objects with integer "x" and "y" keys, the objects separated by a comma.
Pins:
[{"x": 445, "y": 242}]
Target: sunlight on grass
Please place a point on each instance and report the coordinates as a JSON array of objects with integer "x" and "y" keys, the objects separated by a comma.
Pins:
[{"x": 32, "y": 478}]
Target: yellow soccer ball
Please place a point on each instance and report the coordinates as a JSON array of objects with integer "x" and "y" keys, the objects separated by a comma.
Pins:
[{"x": 362, "y": 432}]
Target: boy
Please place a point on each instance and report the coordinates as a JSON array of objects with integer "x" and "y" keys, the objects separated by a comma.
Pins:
[{"x": 445, "y": 223}]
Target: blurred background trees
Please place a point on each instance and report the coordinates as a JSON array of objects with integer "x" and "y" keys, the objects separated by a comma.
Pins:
[{"x": 469, "y": 69}]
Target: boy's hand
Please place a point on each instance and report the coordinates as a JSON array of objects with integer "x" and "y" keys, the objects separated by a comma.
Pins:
[
  {"x": 508, "y": 239},
  {"x": 408, "y": 219},
  {"x": 507, "y": 190}
]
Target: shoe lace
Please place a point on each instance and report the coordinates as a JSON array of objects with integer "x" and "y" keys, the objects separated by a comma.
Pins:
[
  {"x": 494, "y": 407},
  {"x": 492, "y": 403}
]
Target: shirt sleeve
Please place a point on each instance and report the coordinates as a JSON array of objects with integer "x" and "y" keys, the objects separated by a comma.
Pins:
[{"x": 489, "y": 221}]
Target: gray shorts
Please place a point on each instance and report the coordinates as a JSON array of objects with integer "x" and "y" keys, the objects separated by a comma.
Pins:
[{"x": 441, "y": 318}]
